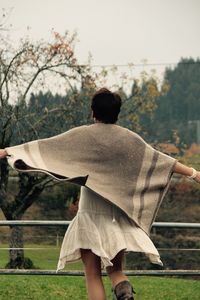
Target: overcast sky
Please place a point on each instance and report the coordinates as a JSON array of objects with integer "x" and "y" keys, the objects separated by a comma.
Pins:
[{"x": 114, "y": 31}]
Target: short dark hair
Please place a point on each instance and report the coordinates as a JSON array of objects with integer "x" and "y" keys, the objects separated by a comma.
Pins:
[{"x": 106, "y": 106}]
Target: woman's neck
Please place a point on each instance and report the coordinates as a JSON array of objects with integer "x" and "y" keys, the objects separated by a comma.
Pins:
[{"x": 97, "y": 121}]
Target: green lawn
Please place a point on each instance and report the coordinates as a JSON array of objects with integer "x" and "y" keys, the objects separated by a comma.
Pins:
[
  {"x": 73, "y": 288},
  {"x": 13, "y": 287},
  {"x": 42, "y": 258}
]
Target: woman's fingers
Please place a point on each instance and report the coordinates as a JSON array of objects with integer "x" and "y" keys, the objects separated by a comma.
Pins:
[{"x": 197, "y": 178}]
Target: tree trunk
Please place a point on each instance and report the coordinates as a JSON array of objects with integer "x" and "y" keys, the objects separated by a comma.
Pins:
[{"x": 16, "y": 251}]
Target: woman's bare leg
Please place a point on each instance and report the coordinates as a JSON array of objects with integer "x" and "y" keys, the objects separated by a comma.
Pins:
[
  {"x": 116, "y": 271},
  {"x": 92, "y": 265},
  {"x": 122, "y": 288}
]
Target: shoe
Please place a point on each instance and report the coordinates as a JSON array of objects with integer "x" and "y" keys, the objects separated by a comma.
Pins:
[{"x": 123, "y": 291}]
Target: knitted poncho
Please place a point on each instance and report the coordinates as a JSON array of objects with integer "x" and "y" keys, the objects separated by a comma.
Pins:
[{"x": 111, "y": 160}]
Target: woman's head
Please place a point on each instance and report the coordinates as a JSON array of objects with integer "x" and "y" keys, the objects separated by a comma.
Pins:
[{"x": 106, "y": 106}]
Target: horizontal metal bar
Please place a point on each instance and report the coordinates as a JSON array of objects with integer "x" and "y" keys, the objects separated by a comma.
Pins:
[
  {"x": 56, "y": 248},
  {"x": 66, "y": 223},
  {"x": 177, "y": 249},
  {"x": 34, "y": 223},
  {"x": 176, "y": 225},
  {"x": 81, "y": 273},
  {"x": 33, "y": 248},
  {"x": 35, "y": 236}
]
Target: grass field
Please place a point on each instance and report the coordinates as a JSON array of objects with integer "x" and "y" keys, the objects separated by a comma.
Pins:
[
  {"x": 33, "y": 287},
  {"x": 14, "y": 287},
  {"x": 45, "y": 258}
]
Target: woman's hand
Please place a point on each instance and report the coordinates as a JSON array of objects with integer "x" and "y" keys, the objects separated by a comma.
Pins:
[
  {"x": 197, "y": 178},
  {"x": 187, "y": 171},
  {"x": 3, "y": 153}
]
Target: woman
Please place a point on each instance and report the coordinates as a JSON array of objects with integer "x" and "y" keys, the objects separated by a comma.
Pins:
[{"x": 123, "y": 183}]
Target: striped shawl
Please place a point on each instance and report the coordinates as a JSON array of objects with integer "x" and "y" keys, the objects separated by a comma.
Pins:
[{"x": 111, "y": 160}]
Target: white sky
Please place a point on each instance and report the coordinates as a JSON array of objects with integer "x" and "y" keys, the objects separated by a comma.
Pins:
[{"x": 114, "y": 31}]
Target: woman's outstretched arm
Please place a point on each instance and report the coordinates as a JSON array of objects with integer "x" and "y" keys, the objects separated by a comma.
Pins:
[{"x": 187, "y": 171}]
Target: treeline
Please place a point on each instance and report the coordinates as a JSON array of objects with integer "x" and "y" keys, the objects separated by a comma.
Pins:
[
  {"x": 176, "y": 110},
  {"x": 179, "y": 109}
]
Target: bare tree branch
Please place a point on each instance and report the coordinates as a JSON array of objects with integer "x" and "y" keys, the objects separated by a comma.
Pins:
[{"x": 10, "y": 65}]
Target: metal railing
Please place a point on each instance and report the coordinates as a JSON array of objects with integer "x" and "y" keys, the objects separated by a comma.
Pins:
[
  {"x": 66, "y": 223},
  {"x": 81, "y": 273}
]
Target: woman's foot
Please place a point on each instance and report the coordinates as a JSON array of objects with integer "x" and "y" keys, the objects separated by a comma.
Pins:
[{"x": 123, "y": 291}]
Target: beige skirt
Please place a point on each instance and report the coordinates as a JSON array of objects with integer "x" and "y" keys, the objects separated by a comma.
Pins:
[{"x": 106, "y": 230}]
